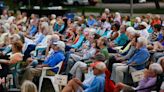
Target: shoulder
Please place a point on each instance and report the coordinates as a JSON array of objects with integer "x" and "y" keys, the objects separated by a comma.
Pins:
[
  {"x": 18, "y": 54},
  {"x": 100, "y": 78},
  {"x": 59, "y": 53}
]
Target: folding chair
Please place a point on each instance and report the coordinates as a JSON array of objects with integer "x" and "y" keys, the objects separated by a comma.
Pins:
[
  {"x": 52, "y": 78},
  {"x": 127, "y": 75}
]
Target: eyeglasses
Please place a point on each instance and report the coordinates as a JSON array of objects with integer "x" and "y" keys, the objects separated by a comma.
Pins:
[
  {"x": 94, "y": 68},
  {"x": 54, "y": 44}
]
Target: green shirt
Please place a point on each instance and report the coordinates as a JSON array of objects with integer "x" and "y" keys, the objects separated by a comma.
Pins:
[{"x": 104, "y": 51}]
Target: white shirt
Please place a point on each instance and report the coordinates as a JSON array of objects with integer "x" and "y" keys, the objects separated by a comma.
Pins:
[{"x": 144, "y": 33}]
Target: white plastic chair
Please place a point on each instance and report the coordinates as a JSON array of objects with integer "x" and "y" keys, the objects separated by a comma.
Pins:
[{"x": 43, "y": 75}]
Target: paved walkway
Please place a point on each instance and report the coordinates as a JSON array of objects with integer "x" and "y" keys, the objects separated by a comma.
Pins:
[
  {"x": 127, "y": 6},
  {"x": 123, "y": 14}
]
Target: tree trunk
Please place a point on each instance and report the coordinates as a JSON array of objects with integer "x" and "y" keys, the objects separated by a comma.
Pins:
[{"x": 157, "y": 4}]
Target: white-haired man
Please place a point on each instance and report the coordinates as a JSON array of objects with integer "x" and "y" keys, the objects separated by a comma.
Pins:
[
  {"x": 140, "y": 55},
  {"x": 53, "y": 59},
  {"x": 97, "y": 85}
]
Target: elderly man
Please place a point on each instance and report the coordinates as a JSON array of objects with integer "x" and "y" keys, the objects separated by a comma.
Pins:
[
  {"x": 53, "y": 59},
  {"x": 79, "y": 67},
  {"x": 97, "y": 85},
  {"x": 139, "y": 57}
]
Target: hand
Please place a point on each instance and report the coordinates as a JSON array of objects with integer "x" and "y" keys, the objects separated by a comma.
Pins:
[
  {"x": 118, "y": 55},
  {"x": 124, "y": 62},
  {"x": 29, "y": 60},
  {"x": 77, "y": 81},
  {"x": 119, "y": 58},
  {"x": 72, "y": 50},
  {"x": 146, "y": 73},
  {"x": 120, "y": 85},
  {"x": 1, "y": 54},
  {"x": 39, "y": 66},
  {"x": 84, "y": 69}
]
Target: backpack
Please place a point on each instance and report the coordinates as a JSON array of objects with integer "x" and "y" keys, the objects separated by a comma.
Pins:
[{"x": 109, "y": 84}]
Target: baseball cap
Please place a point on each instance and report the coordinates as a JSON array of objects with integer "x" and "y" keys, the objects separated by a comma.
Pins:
[
  {"x": 99, "y": 65},
  {"x": 60, "y": 44}
]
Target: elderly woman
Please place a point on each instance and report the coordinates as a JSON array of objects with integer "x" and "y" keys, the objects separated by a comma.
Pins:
[
  {"x": 156, "y": 20},
  {"x": 16, "y": 54},
  {"x": 156, "y": 38},
  {"x": 150, "y": 78}
]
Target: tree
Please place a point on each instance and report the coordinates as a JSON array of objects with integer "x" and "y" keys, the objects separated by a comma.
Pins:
[{"x": 157, "y": 4}]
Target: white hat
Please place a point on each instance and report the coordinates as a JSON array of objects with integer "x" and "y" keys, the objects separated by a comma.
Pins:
[
  {"x": 99, "y": 65},
  {"x": 60, "y": 44},
  {"x": 144, "y": 24}
]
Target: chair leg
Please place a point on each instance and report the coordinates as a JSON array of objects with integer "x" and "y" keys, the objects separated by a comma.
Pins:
[
  {"x": 40, "y": 83},
  {"x": 56, "y": 87}
]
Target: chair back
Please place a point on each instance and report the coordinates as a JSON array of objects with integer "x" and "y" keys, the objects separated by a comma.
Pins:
[{"x": 59, "y": 65}]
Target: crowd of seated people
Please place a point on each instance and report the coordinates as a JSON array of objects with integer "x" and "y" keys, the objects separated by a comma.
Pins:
[{"x": 96, "y": 51}]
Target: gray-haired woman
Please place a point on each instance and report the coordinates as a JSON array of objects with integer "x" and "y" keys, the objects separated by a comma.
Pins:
[{"x": 150, "y": 78}]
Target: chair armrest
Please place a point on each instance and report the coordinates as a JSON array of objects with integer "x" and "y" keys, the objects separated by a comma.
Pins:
[{"x": 47, "y": 68}]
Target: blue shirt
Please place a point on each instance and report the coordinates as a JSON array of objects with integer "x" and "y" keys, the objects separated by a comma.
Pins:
[
  {"x": 139, "y": 57},
  {"x": 97, "y": 84},
  {"x": 39, "y": 38},
  {"x": 33, "y": 30},
  {"x": 91, "y": 22},
  {"x": 55, "y": 58},
  {"x": 79, "y": 42},
  {"x": 58, "y": 28},
  {"x": 121, "y": 40},
  {"x": 7, "y": 49},
  {"x": 160, "y": 37}
]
